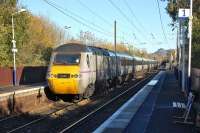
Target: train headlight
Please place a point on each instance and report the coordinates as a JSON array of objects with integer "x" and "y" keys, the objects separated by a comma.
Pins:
[
  {"x": 49, "y": 75},
  {"x": 75, "y": 76}
]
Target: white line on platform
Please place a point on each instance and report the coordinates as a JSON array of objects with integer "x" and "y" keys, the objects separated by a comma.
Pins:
[
  {"x": 152, "y": 82},
  {"x": 174, "y": 105},
  {"x": 118, "y": 119},
  {"x": 183, "y": 105},
  {"x": 179, "y": 105}
]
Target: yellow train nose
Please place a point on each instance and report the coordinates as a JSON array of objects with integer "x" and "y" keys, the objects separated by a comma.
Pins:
[
  {"x": 64, "y": 79},
  {"x": 61, "y": 86}
]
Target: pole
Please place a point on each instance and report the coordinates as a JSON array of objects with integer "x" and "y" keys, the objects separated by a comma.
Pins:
[
  {"x": 13, "y": 31},
  {"x": 183, "y": 58},
  {"x": 190, "y": 44},
  {"x": 180, "y": 63},
  {"x": 178, "y": 54},
  {"x": 115, "y": 43},
  {"x": 14, "y": 51}
]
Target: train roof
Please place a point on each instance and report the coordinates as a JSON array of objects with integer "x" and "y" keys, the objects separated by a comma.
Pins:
[
  {"x": 78, "y": 47},
  {"x": 124, "y": 55},
  {"x": 99, "y": 51},
  {"x": 72, "y": 47},
  {"x": 137, "y": 58}
]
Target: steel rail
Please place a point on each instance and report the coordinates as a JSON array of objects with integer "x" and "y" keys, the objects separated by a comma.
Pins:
[
  {"x": 20, "y": 114},
  {"x": 104, "y": 105},
  {"x": 42, "y": 118}
]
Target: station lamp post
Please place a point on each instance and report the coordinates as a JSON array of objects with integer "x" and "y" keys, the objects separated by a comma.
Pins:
[{"x": 14, "y": 49}]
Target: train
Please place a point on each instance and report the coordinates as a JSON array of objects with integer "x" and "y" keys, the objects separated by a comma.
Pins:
[{"x": 81, "y": 70}]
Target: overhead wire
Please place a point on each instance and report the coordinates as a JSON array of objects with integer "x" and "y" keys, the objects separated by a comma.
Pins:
[
  {"x": 85, "y": 19},
  {"x": 59, "y": 8},
  {"x": 85, "y": 22},
  {"x": 132, "y": 24},
  {"x": 133, "y": 15},
  {"x": 136, "y": 18},
  {"x": 78, "y": 19},
  {"x": 161, "y": 22},
  {"x": 94, "y": 13},
  {"x": 126, "y": 17},
  {"x": 102, "y": 31}
]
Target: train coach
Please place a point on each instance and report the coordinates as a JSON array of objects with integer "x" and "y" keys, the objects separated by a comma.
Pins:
[{"x": 80, "y": 70}]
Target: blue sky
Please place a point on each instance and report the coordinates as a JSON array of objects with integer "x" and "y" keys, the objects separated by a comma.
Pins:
[{"x": 138, "y": 32}]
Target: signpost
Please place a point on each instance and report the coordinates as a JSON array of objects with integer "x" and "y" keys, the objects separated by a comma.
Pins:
[
  {"x": 187, "y": 14},
  {"x": 183, "y": 13},
  {"x": 190, "y": 43}
]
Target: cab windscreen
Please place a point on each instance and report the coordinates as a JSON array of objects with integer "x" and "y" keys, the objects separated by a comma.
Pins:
[{"x": 66, "y": 59}]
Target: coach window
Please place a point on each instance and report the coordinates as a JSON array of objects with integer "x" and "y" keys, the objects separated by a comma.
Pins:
[{"x": 88, "y": 61}]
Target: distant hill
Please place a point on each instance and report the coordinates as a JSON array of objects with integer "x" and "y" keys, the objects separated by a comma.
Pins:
[{"x": 161, "y": 52}]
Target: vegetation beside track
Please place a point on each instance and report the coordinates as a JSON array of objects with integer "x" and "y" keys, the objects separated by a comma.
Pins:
[
  {"x": 35, "y": 37},
  {"x": 172, "y": 9}
]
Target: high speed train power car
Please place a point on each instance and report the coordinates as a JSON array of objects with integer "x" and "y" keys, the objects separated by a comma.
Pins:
[{"x": 81, "y": 70}]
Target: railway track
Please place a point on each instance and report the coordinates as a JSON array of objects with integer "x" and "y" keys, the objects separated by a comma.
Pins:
[
  {"x": 26, "y": 119},
  {"x": 11, "y": 116},
  {"x": 68, "y": 118},
  {"x": 90, "y": 116}
]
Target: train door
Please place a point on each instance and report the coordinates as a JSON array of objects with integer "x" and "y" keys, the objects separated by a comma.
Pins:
[
  {"x": 89, "y": 67},
  {"x": 93, "y": 67},
  {"x": 133, "y": 67},
  {"x": 108, "y": 67},
  {"x": 142, "y": 64},
  {"x": 97, "y": 67},
  {"x": 105, "y": 72}
]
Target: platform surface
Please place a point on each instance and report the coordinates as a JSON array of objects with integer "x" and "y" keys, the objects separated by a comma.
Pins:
[
  {"x": 155, "y": 114},
  {"x": 20, "y": 88}
]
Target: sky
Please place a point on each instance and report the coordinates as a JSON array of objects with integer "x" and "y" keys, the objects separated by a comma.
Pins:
[{"x": 138, "y": 21}]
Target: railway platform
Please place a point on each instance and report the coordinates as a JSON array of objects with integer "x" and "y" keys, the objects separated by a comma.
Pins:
[
  {"x": 21, "y": 99},
  {"x": 10, "y": 88},
  {"x": 151, "y": 110}
]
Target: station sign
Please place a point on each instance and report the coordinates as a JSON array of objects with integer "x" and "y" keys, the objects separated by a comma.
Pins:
[{"x": 183, "y": 13}]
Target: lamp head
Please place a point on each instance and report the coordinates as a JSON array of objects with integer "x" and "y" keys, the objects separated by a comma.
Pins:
[
  {"x": 21, "y": 10},
  {"x": 67, "y": 27}
]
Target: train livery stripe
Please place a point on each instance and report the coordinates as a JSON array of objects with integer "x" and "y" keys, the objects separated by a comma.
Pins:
[{"x": 86, "y": 71}]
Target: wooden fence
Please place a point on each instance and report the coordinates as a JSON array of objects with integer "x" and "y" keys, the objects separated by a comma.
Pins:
[{"x": 25, "y": 75}]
